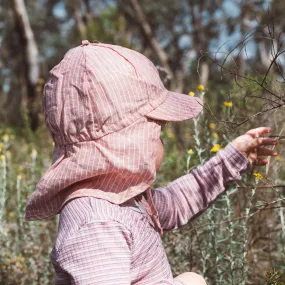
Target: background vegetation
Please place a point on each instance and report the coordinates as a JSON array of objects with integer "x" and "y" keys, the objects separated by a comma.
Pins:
[{"x": 228, "y": 52}]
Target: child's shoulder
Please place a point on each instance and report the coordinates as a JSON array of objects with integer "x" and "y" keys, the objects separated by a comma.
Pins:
[{"x": 80, "y": 211}]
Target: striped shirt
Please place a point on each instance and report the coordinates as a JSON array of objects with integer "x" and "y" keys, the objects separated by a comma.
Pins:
[{"x": 99, "y": 242}]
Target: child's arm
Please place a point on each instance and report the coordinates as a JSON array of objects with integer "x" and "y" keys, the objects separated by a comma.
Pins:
[
  {"x": 188, "y": 195},
  {"x": 192, "y": 193}
]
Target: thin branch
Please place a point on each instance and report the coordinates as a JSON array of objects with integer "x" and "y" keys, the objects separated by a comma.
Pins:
[
  {"x": 150, "y": 35},
  {"x": 240, "y": 217}
]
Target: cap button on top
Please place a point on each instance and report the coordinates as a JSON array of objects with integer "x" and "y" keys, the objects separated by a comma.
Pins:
[{"x": 85, "y": 43}]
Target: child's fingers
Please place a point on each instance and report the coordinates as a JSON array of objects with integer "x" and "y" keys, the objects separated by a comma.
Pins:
[
  {"x": 263, "y": 141},
  {"x": 260, "y": 161},
  {"x": 263, "y": 151},
  {"x": 252, "y": 157},
  {"x": 258, "y": 131},
  {"x": 255, "y": 155}
]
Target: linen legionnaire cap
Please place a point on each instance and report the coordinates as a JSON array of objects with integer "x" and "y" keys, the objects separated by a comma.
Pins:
[{"x": 103, "y": 105}]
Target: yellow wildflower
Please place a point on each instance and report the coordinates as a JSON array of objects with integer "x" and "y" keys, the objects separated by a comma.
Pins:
[
  {"x": 257, "y": 176},
  {"x": 4, "y": 266},
  {"x": 278, "y": 158},
  {"x": 2, "y": 157},
  {"x": 191, "y": 93},
  {"x": 212, "y": 125},
  {"x": 5, "y": 137},
  {"x": 8, "y": 154},
  {"x": 34, "y": 154},
  {"x": 201, "y": 87},
  {"x": 19, "y": 177},
  {"x": 21, "y": 168},
  {"x": 190, "y": 151},
  {"x": 17, "y": 263},
  {"x": 170, "y": 134},
  {"x": 11, "y": 214},
  {"x": 216, "y": 148},
  {"x": 41, "y": 81},
  {"x": 22, "y": 259},
  {"x": 215, "y": 135},
  {"x": 187, "y": 136},
  {"x": 228, "y": 104}
]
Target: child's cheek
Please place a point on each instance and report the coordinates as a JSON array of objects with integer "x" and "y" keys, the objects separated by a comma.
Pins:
[{"x": 159, "y": 155}]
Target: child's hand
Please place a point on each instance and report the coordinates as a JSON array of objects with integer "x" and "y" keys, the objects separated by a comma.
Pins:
[
  {"x": 252, "y": 145},
  {"x": 191, "y": 278}
]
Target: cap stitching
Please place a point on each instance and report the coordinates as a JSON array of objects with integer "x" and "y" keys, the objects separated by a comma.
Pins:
[{"x": 94, "y": 44}]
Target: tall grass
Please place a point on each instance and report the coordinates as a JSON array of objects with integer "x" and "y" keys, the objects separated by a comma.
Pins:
[{"x": 25, "y": 247}]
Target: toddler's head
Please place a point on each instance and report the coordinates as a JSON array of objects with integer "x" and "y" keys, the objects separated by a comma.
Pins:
[{"x": 104, "y": 106}]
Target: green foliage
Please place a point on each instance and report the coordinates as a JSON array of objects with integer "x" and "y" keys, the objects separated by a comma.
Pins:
[{"x": 109, "y": 27}]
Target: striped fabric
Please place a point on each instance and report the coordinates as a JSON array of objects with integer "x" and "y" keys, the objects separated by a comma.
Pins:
[
  {"x": 99, "y": 242},
  {"x": 103, "y": 105}
]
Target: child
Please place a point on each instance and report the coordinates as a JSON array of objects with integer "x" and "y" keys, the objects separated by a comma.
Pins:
[{"x": 105, "y": 106}]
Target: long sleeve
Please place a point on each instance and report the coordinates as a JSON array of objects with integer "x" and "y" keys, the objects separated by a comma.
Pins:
[
  {"x": 192, "y": 193},
  {"x": 98, "y": 253}
]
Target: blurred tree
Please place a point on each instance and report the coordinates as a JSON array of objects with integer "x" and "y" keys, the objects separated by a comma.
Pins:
[
  {"x": 30, "y": 58},
  {"x": 11, "y": 98},
  {"x": 27, "y": 38},
  {"x": 174, "y": 34}
]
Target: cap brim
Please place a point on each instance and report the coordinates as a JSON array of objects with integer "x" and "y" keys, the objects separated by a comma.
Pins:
[{"x": 177, "y": 107}]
